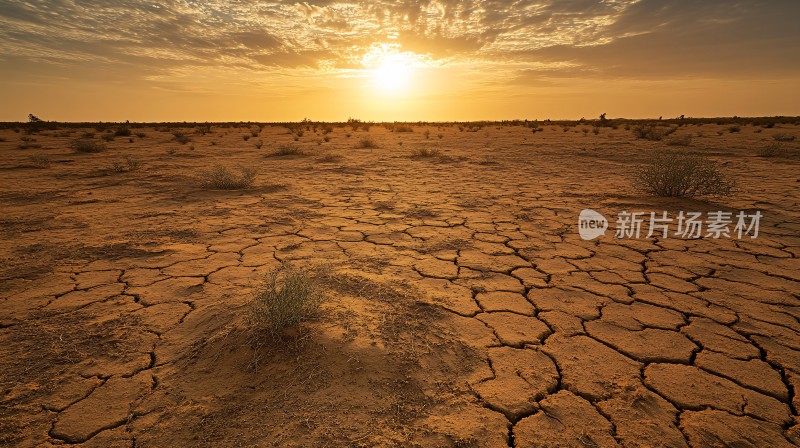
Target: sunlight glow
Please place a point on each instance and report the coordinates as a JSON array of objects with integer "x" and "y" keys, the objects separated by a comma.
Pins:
[
  {"x": 390, "y": 70},
  {"x": 393, "y": 74}
]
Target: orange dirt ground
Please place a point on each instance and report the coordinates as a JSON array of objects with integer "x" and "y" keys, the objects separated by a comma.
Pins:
[{"x": 462, "y": 307}]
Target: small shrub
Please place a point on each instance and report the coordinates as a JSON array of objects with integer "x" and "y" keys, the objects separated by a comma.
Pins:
[
  {"x": 222, "y": 178},
  {"x": 326, "y": 139},
  {"x": 181, "y": 138},
  {"x": 122, "y": 132},
  {"x": 427, "y": 134},
  {"x": 403, "y": 128},
  {"x": 87, "y": 146},
  {"x": 425, "y": 152},
  {"x": 88, "y": 135},
  {"x": 648, "y": 132},
  {"x": 108, "y": 137},
  {"x": 734, "y": 129},
  {"x": 141, "y": 134},
  {"x": 124, "y": 166},
  {"x": 367, "y": 143},
  {"x": 677, "y": 174},
  {"x": 286, "y": 298},
  {"x": 259, "y": 144},
  {"x": 781, "y": 137},
  {"x": 286, "y": 150},
  {"x": 441, "y": 136},
  {"x": 680, "y": 140}
]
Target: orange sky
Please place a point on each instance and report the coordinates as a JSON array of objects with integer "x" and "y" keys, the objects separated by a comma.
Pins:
[{"x": 194, "y": 60}]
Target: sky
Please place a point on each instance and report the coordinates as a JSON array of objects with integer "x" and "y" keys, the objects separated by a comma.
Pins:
[{"x": 411, "y": 60}]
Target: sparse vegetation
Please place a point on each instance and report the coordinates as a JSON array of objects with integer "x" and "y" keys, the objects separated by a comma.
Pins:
[
  {"x": 425, "y": 153},
  {"x": 181, "y": 138},
  {"x": 680, "y": 174},
  {"x": 367, "y": 143},
  {"x": 781, "y": 137},
  {"x": 259, "y": 144},
  {"x": 87, "y": 146},
  {"x": 286, "y": 150},
  {"x": 648, "y": 132},
  {"x": 223, "y": 178},
  {"x": 286, "y": 298},
  {"x": 126, "y": 165}
]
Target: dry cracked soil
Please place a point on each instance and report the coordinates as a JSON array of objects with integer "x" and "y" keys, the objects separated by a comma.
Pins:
[{"x": 462, "y": 308}]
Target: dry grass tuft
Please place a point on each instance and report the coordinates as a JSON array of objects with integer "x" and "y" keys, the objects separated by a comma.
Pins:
[
  {"x": 286, "y": 298},
  {"x": 286, "y": 150},
  {"x": 124, "y": 166},
  {"x": 648, "y": 132},
  {"x": 222, "y": 178},
  {"x": 679, "y": 174},
  {"x": 367, "y": 143},
  {"x": 87, "y": 146},
  {"x": 422, "y": 153}
]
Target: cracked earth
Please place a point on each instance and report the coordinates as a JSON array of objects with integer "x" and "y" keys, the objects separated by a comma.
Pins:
[{"x": 462, "y": 309}]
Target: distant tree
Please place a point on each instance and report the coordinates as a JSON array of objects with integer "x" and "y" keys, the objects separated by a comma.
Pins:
[
  {"x": 603, "y": 118},
  {"x": 34, "y": 119}
]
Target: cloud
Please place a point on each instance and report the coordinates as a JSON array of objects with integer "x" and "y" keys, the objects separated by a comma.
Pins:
[{"x": 579, "y": 38}]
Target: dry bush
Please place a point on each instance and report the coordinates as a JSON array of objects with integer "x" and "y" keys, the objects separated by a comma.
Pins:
[
  {"x": 141, "y": 134},
  {"x": 181, "y": 138},
  {"x": 425, "y": 153},
  {"x": 87, "y": 146},
  {"x": 679, "y": 174},
  {"x": 286, "y": 150},
  {"x": 286, "y": 298},
  {"x": 734, "y": 129},
  {"x": 403, "y": 128},
  {"x": 222, "y": 178},
  {"x": 648, "y": 132},
  {"x": 108, "y": 137},
  {"x": 124, "y": 166},
  {"x": 122, "y": 132},
  {"x": 680, "y": 140},
  {"x": 259, "y": 144},
  {"x": 367, "y": 143}
]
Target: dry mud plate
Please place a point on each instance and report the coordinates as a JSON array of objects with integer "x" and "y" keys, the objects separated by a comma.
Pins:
[{"x": 462, "y": 309}]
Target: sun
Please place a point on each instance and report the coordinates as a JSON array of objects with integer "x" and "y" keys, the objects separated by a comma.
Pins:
[{"x": 393, "y": 73}]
